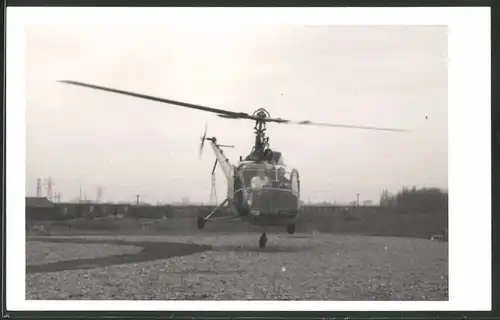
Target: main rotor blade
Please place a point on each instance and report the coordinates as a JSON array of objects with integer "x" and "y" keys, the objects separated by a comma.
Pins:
[
  {"x": 307, "y": 122},
  {"x": 221, "y": 112},
  {"x": 229, "y": 114}
]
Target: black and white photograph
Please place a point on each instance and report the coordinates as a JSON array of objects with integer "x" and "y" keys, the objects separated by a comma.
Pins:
[{"x": 224, "y": 160}]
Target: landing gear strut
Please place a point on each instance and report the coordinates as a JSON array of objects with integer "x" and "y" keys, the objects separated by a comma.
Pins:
[
  {"x": 263, "y": 240},
  {"x": 201, "y": 222},
  {"x": 291, "y": 228}
]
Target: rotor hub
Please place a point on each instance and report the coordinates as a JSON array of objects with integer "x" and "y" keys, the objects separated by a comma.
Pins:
[{"x": 261, "y": 114}]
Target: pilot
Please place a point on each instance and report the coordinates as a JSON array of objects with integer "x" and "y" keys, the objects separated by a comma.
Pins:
[
  {"x": 284, "y": 181},
  {"x": 268, "y": 155},
  {"x": 260, "y": 180}
]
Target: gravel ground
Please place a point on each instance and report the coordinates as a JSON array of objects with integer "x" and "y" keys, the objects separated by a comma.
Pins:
[{"x": 300, "y": 267}]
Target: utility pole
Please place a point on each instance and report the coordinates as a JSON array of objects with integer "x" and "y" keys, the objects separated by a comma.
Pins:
[
  {"x": 38, "y": 187},
  {"x": 99, "y": 194},
  {"x": 357, "y": 199},
  {"x": 80, "y": 187},
  {"x": 138, "y": 199}
]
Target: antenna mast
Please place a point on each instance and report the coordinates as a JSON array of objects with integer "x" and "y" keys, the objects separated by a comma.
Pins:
[
  {"x": 214, "y": 189},
  {"x": 213, "y": 193},
  {"x": 49, "y": 184}
]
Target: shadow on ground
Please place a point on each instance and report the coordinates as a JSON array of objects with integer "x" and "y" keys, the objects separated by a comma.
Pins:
[{"x": 150, "y": 251}]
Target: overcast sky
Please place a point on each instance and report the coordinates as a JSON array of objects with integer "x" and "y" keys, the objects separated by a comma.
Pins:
[{"x": 389, "y": 76}]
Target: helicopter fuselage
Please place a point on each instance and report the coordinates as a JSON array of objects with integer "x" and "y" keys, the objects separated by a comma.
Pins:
[
  {"x": 264, "y": 193},
  {"x": 263, "y": 215}
]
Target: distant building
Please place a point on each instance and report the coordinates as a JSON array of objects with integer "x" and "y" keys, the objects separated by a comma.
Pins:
[
  {"x": 38, "y": 202},
  {"x": 39, "y": 208}
]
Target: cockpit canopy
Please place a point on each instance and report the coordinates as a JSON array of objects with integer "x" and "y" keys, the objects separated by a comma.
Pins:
[
  {"x": 265, "y": 175},
  {"x": 278, "y": 158},
  {"x": 266, "y": 187}
]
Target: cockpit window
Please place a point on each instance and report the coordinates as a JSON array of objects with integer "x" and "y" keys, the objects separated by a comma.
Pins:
[
  {"x": 278, "y": 158},
  {"x": 265, "y": 177},
  {"x": 249, "y": 175}
]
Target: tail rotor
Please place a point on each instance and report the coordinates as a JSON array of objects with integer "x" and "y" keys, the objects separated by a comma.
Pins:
[{"x": 203, "y": 139}]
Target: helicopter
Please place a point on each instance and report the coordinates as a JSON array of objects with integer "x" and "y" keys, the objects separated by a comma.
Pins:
[{"x": 261, "y": 189}]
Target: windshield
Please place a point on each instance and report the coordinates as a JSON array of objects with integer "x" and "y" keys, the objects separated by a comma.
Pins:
[
  {"x": 265, "y": 187},
  {"x": 265, "y": 177}
]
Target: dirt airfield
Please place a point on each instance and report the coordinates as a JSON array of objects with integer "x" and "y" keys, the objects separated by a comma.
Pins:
[{"x": 303, "y": 266}]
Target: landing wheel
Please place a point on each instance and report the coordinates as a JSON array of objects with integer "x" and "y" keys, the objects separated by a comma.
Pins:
[
  {"x": 263, "y": 240},
  {"x": 291, "y": 228},
  {"x": 201, "y": 222}
]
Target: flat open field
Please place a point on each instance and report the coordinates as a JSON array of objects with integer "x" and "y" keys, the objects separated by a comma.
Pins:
[{"x": 304, "y": 266}]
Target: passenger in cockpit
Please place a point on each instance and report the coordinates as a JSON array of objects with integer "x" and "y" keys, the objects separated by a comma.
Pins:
[
  {"x": 284, "y": 181},
  {"x": 257, "y": 184},
  {"x": 268, "y": 155},
  {"x": 260, "y": 180}
]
